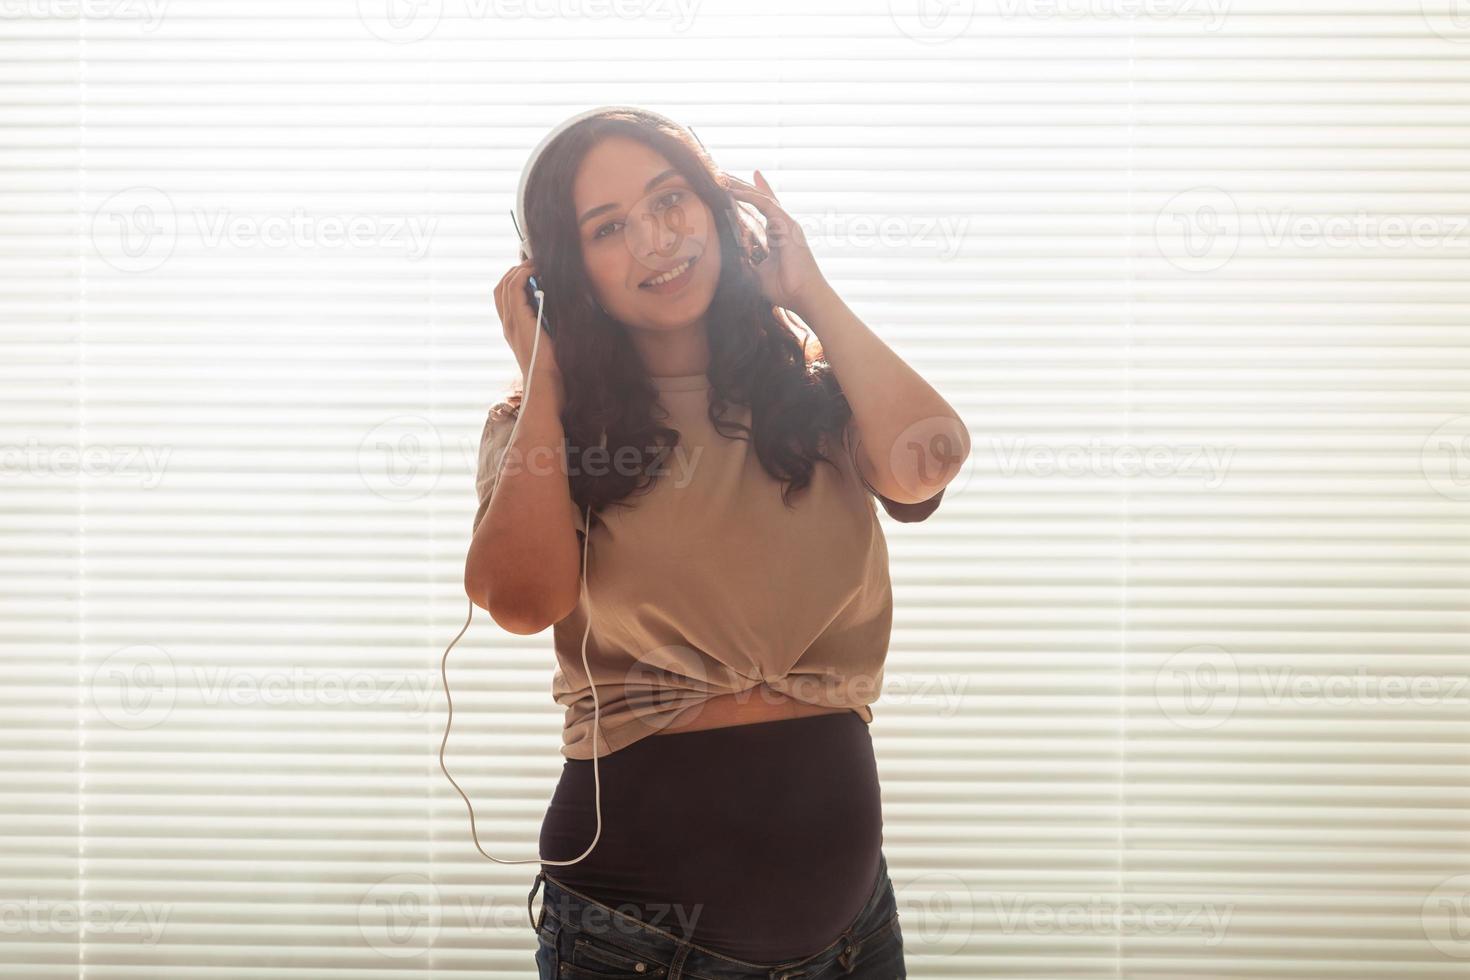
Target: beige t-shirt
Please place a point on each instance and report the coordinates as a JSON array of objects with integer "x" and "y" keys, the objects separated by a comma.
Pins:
[{"x": 710, "y": 585}]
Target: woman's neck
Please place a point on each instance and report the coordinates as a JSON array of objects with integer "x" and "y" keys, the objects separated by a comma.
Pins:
[{"x": 673, "y": 353}]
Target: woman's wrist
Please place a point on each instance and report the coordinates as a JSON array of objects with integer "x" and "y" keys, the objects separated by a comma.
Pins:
[
  {"x": 548, "y": 383},
  {"x": 818, "y": 299}
]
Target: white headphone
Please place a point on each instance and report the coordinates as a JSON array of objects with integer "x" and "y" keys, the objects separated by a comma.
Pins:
[
  {"x": 520, "y": 219},
  {"x": 565, "y": 124}
]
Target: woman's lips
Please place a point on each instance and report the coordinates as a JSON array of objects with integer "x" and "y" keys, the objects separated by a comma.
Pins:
[{"x": 677, "y": 283}]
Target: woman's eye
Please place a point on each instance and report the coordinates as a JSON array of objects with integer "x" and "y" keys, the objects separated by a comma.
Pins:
[{"x": 663, "y": 201}]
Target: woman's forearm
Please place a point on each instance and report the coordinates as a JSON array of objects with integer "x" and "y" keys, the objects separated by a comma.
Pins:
[
  {"x": 911, "y": 442},
  {"x": 524, "y": 559}
]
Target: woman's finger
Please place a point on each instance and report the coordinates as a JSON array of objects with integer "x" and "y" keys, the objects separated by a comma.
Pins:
[
  {"x": 765, "y": 203},
  {"x": 504, "y": 290},
  {"x": 501, "y": 284},
  {"x": 516, "y": 273},
  {"x": 510, "y": 277},
  {"x": 778, "y": 221},
  {"x": 781, "y": 228}
]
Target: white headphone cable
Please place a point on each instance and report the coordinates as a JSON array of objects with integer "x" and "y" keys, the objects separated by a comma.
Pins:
[{"x": 586, "y": 595}]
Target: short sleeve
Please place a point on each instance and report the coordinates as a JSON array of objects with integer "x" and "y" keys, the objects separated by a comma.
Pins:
[
  {"x": 903, "y": 513},
  {"x": 494, "y": 439}
]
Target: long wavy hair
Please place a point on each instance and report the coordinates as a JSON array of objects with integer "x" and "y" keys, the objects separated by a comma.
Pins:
[{"x": 756, "y": 358}]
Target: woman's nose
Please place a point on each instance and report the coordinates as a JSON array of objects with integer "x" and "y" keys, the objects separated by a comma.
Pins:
[{"x": 657, "y": 238}]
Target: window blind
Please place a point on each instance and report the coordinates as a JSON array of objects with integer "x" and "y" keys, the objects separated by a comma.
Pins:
[{"x": 1178, "y": 673}]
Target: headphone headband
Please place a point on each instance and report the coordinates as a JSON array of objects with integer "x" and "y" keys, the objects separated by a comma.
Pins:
[{"x": 520, "y": 212}]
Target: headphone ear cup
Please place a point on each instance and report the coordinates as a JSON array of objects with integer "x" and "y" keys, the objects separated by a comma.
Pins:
[{"x": 750, "y": 233}]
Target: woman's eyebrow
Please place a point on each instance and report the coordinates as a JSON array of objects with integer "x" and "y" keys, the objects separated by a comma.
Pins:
[{"x": 647, "y": 188}]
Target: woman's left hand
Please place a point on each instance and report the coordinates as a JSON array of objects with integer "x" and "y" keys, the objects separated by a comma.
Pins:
[{"x": 788, "y": 275}]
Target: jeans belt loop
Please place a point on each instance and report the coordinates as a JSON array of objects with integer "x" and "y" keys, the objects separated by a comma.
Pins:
[
  {"x": 849, "y": 951},
  {"x": 540, "y": 875}
]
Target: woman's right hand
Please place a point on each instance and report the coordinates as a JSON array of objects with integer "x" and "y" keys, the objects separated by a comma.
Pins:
[{"x": 518, "y": 319}]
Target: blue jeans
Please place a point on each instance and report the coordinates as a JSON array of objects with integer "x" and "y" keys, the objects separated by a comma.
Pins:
[{"x": 580, "y": 939}]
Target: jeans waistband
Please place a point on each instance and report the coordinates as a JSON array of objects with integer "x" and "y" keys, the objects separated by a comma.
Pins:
[{"x": 688, "y": 958}]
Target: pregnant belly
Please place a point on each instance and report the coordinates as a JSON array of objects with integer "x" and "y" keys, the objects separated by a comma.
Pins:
[{"x": 759, "y": 841}]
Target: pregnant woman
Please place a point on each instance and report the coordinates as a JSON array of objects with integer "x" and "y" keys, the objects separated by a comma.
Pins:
[{"x": 689, "y": 502}]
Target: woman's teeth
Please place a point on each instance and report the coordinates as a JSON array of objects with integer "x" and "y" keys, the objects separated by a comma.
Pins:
[{"x": 673, "y": 273}]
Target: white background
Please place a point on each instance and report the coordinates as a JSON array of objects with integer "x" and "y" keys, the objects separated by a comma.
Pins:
[{"x": 1205, "y": 717}]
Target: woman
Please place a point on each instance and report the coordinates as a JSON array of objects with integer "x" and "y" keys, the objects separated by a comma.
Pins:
[{"x": 742, "y": 601}]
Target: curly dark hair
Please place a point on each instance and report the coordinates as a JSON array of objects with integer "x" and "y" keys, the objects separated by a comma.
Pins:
[{"x": 756, "y": 358}]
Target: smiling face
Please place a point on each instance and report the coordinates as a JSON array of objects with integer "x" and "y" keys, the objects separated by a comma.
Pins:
[{"x": 639, "y": 219}]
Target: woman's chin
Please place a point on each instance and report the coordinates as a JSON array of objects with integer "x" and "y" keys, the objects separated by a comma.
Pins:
[{"x": 673, "y": 316}]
